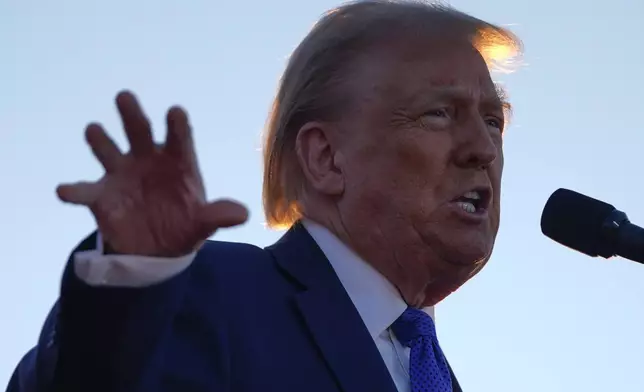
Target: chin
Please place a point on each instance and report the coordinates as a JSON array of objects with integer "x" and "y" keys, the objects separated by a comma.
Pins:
[
  {"x": 463, "y": 247},
  {"x": 466, "y": 245},
  {"x": 468, "y": 255}
]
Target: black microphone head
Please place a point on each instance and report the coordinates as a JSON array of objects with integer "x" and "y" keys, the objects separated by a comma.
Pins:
[{"x": 576, "y": 221}]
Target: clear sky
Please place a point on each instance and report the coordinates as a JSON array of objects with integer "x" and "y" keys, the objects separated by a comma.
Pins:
[{"x": 539, "y": 317}]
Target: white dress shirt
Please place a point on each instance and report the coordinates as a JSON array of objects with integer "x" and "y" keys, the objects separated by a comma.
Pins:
[{"x": 376, "y": 299}]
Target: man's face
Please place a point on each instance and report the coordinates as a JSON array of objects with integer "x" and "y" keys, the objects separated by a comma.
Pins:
[{"x": 423, "y": 153}]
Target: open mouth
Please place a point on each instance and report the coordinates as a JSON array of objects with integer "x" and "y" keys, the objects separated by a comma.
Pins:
[{"x": 475, "y": 201}]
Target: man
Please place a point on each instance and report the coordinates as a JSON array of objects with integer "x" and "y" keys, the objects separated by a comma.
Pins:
[{"x": 383, "y": 156}]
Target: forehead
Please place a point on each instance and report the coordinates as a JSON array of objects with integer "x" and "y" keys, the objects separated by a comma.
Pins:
[{"x": 410, "y": 72}]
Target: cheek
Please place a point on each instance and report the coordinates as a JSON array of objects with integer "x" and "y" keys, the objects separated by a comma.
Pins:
[
  {"x": 421, "y": 160},
  {"x": 400, "y": 173},
  {"x": 422, "y": 169}
]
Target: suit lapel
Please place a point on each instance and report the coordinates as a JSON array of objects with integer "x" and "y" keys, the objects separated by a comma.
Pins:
[{"x": 330, "y": 316}]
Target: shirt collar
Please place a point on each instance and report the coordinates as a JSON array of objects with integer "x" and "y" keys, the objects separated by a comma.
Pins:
[{"x": 377, "y": 300}]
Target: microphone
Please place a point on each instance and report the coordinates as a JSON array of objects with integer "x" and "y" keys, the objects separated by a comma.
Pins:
[{"x": 591, "y": 226}]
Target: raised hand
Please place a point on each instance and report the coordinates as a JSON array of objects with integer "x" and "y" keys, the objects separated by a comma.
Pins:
[{"x": 150, "y": 201}]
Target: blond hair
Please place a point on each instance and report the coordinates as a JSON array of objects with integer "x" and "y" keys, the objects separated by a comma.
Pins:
[{"x": 311, "y": 87}]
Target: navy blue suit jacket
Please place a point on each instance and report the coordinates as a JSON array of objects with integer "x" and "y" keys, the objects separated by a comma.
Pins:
[{"x": 240, "y": 318}]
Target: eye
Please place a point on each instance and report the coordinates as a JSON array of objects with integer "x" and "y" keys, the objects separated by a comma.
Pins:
[
  {"x": 441, "y": 112},
  {"x": 438, "y": 118},
  {"x": 495, "y": 123}
]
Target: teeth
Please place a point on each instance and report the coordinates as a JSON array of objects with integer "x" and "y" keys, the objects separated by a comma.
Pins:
[
  {"x": 466, "y": 206},
  {"x": 472, "y": 195}
]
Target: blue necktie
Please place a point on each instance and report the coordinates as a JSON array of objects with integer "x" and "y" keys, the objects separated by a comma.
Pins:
[{"x": 428, "y": 370}]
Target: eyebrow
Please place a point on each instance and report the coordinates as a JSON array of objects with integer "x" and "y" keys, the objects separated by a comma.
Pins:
[{"x": 496, "y": 100}]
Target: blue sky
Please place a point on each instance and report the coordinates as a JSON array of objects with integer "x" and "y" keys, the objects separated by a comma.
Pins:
[{"x": 540, "y": 317}]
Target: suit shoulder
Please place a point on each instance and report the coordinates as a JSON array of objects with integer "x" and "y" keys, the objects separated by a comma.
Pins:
[
  {"x": 230, "y": 256},
  {"x": 223, "y": 248},
  {"x": 238, "y": 271}
]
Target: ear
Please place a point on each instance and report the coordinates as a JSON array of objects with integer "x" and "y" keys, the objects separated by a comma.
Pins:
[{"x": 319, "y": 158}]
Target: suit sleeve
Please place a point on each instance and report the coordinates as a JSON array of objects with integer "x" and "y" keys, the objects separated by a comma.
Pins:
[{"x": 102, "y": 338}]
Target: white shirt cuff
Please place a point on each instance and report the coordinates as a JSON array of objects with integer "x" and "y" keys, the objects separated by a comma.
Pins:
[{"x": 97, "y": 269}]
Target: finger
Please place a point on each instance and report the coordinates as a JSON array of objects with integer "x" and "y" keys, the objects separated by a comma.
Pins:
[
  {"x": 179, "y": 140},
  {"x": 82, "y": 193},
  {"x": 135, "y": 123},
  {"x": 222, "y": 213},
  {"x": 103, "y": 147}
]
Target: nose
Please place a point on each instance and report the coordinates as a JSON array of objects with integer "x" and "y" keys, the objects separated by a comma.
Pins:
[{"x": 476, "y": 147}]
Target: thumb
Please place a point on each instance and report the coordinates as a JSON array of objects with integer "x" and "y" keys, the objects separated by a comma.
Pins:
[
  {"x": 83, "y": 193},
  {"x": 222, "y": 213}
]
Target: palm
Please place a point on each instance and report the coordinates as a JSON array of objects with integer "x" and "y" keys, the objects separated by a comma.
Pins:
[{"x": 151, "y": 201}]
